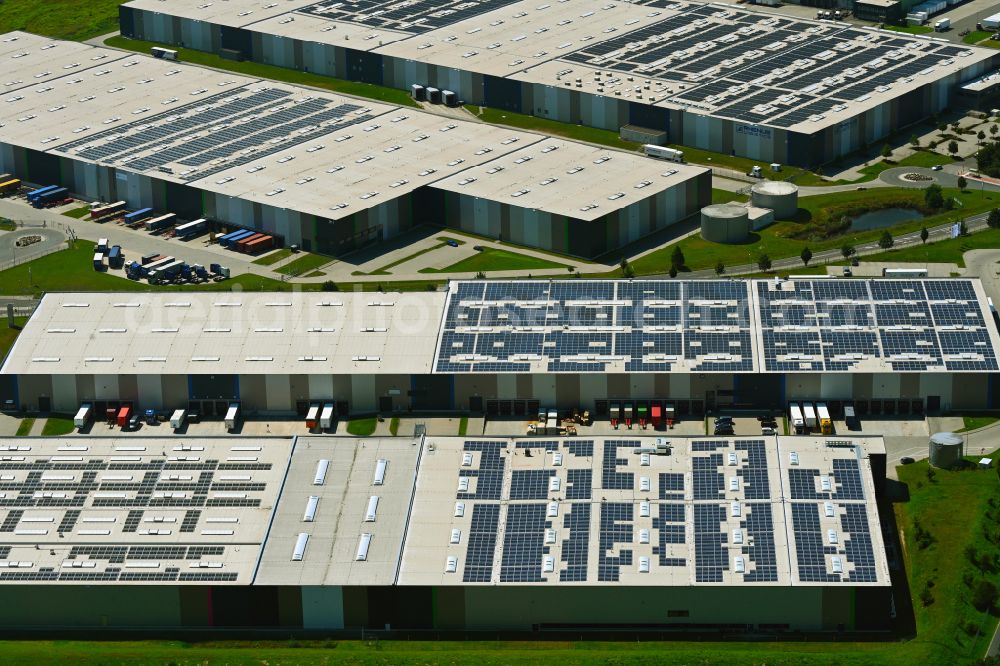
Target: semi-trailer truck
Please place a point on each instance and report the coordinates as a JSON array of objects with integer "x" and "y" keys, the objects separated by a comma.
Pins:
[{"x": 663, "y": 153}]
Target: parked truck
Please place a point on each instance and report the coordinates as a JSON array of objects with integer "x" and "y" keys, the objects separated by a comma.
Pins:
[
  {"x": 260, "y": 245},
  {"x": 34, "y": 194},
  {"x": 177, "y": 419},
  {"x": 138, "y": 216},
  {"x": 326, "y": 416},
  {"x": 161, "y": 222},
  {"x": 106, "y": 210},
  {"x": 809, "y": 413},
  {"x": 942, "y": 25},
  {"x": 663, "y": 153},
  {"x": 232, "y": 416},
  {"x": 83, "y": 415},
  {"x": 823, "y": 415},
  {"x": 9, "y": 186},
  {"x": 795, "y": 417},
  {"x": 166, "y": 272},
  {"x": 229, "y": 240},
  {"x": 190, "y": 229},
  {"x": 116, "y": 259},
  {"x": 98, "y": 261},
  {"x": 102, "y": 246},
  {"x": 53, "y": 197}
]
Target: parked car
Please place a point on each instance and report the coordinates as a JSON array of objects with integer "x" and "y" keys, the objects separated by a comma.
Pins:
[
  {"x": 452, "y": 242},
  {"x": 767, "y": 430},
  {"x": 906, "y": 460},
  {"x": 724, "y": 429},
  {"x": 723, "y": 419},
  {"x": 936, "y": 167}
]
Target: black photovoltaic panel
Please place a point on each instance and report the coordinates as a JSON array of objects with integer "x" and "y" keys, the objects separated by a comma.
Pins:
[
  {"x": 759, "y": 548},
  {"x": 579, "y": 483},
  {"x": 756, "y": 483},
  {"x": 412, "y": 16},
  {"x": 489, "y": 473},
  {"x": 711, "y": 558},
  {"x": 708, "y": 483},
  {"x": 669, "y": 523},
  {"x": 531, "y": 484},
  {"x": 671, "y": 486},
  {"x": 810, "y": 552},
  {"x": 576, "y": 547},
  {"x": 615, "y": 529},
  {"x": 858, "y": 547},
  {"x": 611, "y": 478},
  {"x": 482, "y": 543},
  {"x": 523, "y": 543}
]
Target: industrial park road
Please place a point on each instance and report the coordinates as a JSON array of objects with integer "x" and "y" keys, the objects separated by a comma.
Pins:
[{"x": 790, "y": 264}]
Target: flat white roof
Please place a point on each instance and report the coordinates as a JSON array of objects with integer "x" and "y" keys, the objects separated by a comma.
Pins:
[
  {"x": 249, "y": 333},
  {"x": 137, "y": 511}
]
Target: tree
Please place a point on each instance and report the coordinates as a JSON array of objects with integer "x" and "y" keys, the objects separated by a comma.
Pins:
[
  {"x": 926, "y": 598},
  {"x": 993, "y": 219},
  {"x": 981, "y": 136},
  {"x": 943, "y": 127},
  {"x": 924, "y": 234},
  {"x": 914, "y": 141},
  {"x": 963, "y": 228},
  {"x": 720, "y": 268},
  {"x": 933, "y": 197},
  {"x": 962, "y": 183},
  {"x": 627, "y": 270},
  {"x": 988, "y": 159},
  {"x": 953, "y": 146},
  {"x": 673, "y": 271},
  {"x": 994, "y": 129},
  {"x": 806, "y": 256},
  {"x": 984, "y": 596},
  {"x": 329, "y": 285},
  {"x": 885, "y": 241},
  {"x": 677, "y": 258},
  {"x": 886, "y": 151},
  {"x": 847, "y": 250},
  {"x": 764, "y": 263}
]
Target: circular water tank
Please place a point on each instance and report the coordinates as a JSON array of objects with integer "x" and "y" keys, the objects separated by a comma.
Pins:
[
  {"x": 725, "y": 223},
  {"x": 946, "y": 449},
  {"x": 780, "y": 196}
]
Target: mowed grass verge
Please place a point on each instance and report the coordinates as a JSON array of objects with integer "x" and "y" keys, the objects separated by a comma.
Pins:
[
  {"x": 491, "y": 259},
  {"x": 247, "y": 68},
  {"x": 60, "y": 19}
]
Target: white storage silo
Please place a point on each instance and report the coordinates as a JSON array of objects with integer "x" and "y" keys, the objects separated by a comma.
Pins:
[
  {"x": 725, "y": 223},
  {"x": 780, "y": 196},
  {"x": 946, "y": 449}
]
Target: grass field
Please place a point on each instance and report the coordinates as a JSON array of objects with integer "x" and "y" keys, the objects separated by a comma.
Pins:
[
  {"x": 362, "y": 427},
  {"x": 77, "y": 213},
  {"x": 778, "y": 240},
  {"x": 910, "y": 29},
  {"x": 976, "y": 36},
  {"x": 394, "y": 426},
  {"x": 494, "y": 259},
  {"x": 921, "y": 158},
  {"x": 304, "y": 264},
  {"x": 273, "y": 258},
  {"x": 368, "y": 90},
  {"x": 463, "y": 426},
  {"x": 725, "y": 196},
  {"x": 60, "y": 19},
  {"x": 944, "y": 251},
  {"x": 976, "y": 421},
  {"x": 25, "y": 426},
  {"x": 9, "y": 335},
  {"x": 57, "y": 425}
]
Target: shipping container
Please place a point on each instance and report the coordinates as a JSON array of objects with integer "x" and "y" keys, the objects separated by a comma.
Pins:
[
  {"x": 52, "y": 197},
  {"x": 312, "y": 417},
  {"x": 259, "y": 245},
  {"x": 83, "y": 415},
  {"x": 10, "y": 186},
  {"x": 190, "y": 229},
  {"x": 795, "y": 417},
  {"x": 809, "y": 413},
  {"x": 98, "y": 261},
  {"x": 116, "y": 259},
  {"x": 825, "y": 422},
  {"x": 161, "y": 222},
  {"x": 662, "y": 153},
  {"x": 230, "y": 239},
  {"x": 232, "y": 416},
  {"x": 138, "y": 216},
  {"x": 150, "y": 258},
  {"x": 34, "y": 194},
  {"x": 165, "y": 272},
  {"x": 102, "y": 246},
  {"x": 158, "y": 263},
  {"x": 326, "y": 417},
  {"x": 241, "y": 244},
  {"x": 123, "y": 414},
  {"x": 177, "y": 419},
  {"x": 850, "y": 419},
  {"x": 107, "y": 210}
]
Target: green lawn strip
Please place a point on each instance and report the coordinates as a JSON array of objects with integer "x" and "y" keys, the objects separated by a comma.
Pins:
[
  {"x": 57, "y": 425},
  {"x": 394, "y": 426},
  {"x": 25, "y": 426},
  {"x": 362, "y": 427},
  {"x": 976, "y": 36},
  {"x": 463, "y": 426},
  {"x": 385, "y": 270},
  {"x": 77, "y": 213},
  {"x": 951, "y": 250},
  {"x": 367, "y": 90},
  {"x": 937, "y": 542},
  {"x": 977, "y": 421},
  {"x": 273, "y": 258},
  {"x": 398, "y": 285},
  {"x": 315, "y": 274},
  {"x": 910, "y": 29},
  {"x": 445, "y": 239},
  {"x": 494, "y": 259},
  {"x": 7, "y": 225},
  {"x": 777, "y": 242},
  {"x": 60, "y": 19},
  {"x": 304, "y": 264},
  {"x": 725, "y": 196},
  {"x": 8, "y": 335}
]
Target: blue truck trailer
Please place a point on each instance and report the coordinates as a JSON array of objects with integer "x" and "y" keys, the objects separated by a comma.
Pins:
[
  {"x": 116, "y": 258},
  {"x": 138, "y": 215},
  {"x": 34, "y": 194},
  {"x": 229, "y": 240},
  {"x": 51, "y": 197}
]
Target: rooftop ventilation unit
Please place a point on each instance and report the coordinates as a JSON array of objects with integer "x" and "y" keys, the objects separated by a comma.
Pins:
[
  {"x": 363, "y": 544},
  {"x": 300, "y": 547}
]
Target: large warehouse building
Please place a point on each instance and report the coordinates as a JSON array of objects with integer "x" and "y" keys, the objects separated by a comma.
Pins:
[
  {"x": 703, "y": 534},
  {"x": 508, "y": 347},
  {"x": 716, "y": 77},
  {"x": 322, "y": 171}
]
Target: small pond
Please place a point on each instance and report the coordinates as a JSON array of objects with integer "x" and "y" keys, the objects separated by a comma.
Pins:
[{"x": 887, "y": 217}]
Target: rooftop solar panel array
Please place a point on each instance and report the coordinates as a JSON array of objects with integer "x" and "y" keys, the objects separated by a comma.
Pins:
[
  {"x": 596, "y": 326},
  {"x": 854, "y": 325},
  {"x": 412, "y": 16}
]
